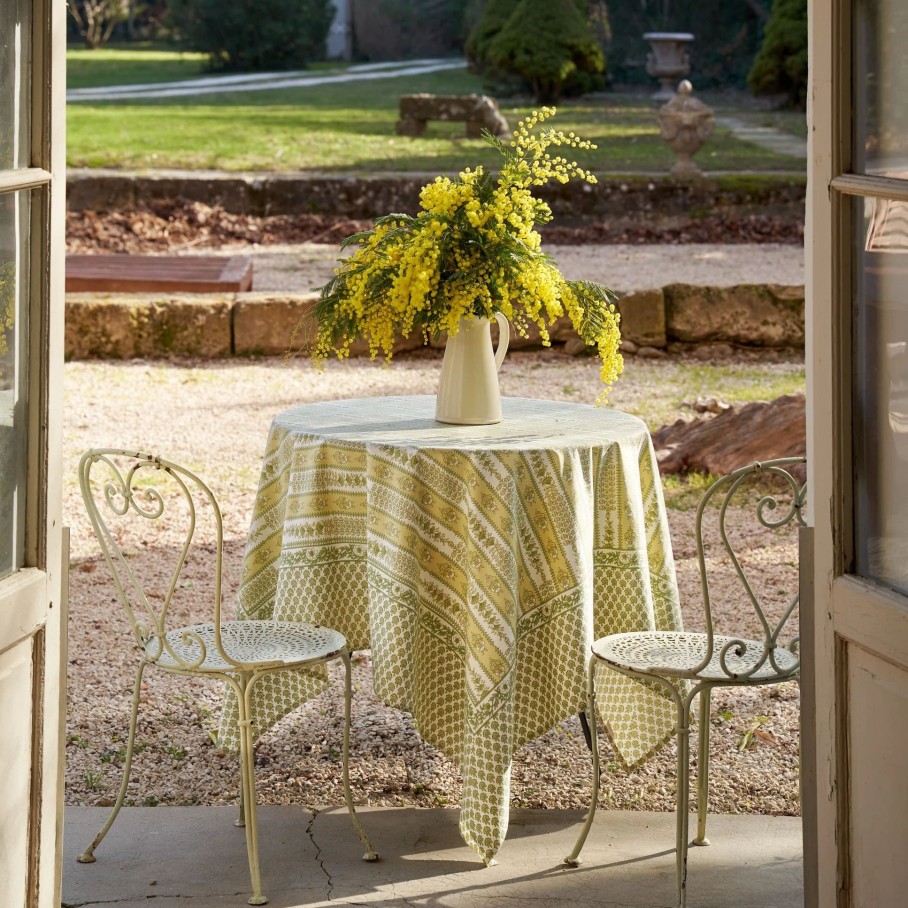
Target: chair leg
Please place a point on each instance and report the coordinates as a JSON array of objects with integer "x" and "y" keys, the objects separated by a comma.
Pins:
[
  {"x": 703, "y": 768},
  {"x": 247, "y": 768},
  {"x": 241, "y": 816},
  {"x": 88, "y": 857},
  {"x": 371, "y": 854},
  {"x": 573, "y": 859},
  {"x": 683, "y": 798}
]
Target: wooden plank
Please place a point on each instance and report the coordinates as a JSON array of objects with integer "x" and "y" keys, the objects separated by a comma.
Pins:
[{"x": 114, "y": 273}]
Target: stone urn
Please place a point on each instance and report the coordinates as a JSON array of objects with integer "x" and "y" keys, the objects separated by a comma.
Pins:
[
  {"x": 668, "y": 61},
  {"x": 685, "y": 123}
]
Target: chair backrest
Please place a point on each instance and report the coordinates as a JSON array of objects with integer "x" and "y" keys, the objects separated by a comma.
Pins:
[
  {"x": 771, "y": 495},
  {"x": 129, "y": 495}
]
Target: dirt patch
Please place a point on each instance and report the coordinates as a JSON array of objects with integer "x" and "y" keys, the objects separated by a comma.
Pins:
[{"x": 169, "y": 225}]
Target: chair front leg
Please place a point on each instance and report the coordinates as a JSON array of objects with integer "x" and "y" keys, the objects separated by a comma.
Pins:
[
  {"x": 88, "y": 856},
  {"x": 241, "y": 816},
  {"x": 683, "y": 794},
  {"x": 242, "y": 685},
  {"x": 573, "y": 859},
  {"x": 371, "y": 854},
  {"x": 703, "y": 768}
]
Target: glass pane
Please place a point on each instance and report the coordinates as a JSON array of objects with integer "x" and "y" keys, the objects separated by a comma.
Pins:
[
  {"x": 881, "y": 74},
  {"x": 881, "y": 392},
  {"x": 14, "y": 296},
  {"x": 15, "y": 79}
]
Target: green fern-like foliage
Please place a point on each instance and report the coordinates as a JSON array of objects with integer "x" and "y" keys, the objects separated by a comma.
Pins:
[
  {"x": 780, "y": 67},
  {"x": 546, "y": 42}
]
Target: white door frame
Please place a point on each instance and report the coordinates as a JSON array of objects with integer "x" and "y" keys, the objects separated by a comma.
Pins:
[
  {"x": 32, "y": 600},
  {"x": 844, "y": 613}
]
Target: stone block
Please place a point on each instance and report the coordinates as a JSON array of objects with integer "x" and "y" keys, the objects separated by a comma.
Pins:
[
  {"x": 643, "y": 318},
  {"x": 99, "y": 327},
  {"x": 269, "y": 324},
  {"x": 100, "y": 191},
  {"x": 121, "y": 327},
  {"x": 187, "y": 325},
  {"x": 748, "y": 314}
]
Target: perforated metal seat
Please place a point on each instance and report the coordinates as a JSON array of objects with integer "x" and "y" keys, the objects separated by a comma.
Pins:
[
  {"x": 253, "y": 644},
  {"x": 122, "y": 489},
  {"x": 687, "y": 665},
  {"x": 672, "y": 654}
]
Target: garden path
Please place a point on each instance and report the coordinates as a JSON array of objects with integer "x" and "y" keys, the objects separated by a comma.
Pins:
[
  {"x": 206, "y": 85},
  {"x": 302, "y": 267}
]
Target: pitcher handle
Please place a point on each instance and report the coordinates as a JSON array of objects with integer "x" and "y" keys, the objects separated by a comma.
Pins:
[{"x": 504, "y": 338}]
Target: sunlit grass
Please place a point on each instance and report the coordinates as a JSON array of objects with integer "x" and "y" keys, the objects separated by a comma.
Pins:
[
  {"x": 351, "y": 126},
  {"x": 111, "y": 65},
  {"x": 684, "y": 493},
  {"x": 300, "y": 137},
  {"x": 659, "y": 391},
  {"x": 139, "y": 63}
]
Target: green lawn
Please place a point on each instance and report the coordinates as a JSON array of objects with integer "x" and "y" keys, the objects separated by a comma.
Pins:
[
  {"x": 344, "y": 126},
  {"x": 112, "y": 65}
]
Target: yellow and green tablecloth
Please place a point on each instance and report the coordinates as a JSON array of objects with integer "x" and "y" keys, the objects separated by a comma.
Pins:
[{"x": 478, "y": 563}]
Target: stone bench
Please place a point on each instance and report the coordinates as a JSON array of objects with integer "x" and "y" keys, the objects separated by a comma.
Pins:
[
  {"x": 479, "y": 112},
  {"x": 121, "y": 273}
]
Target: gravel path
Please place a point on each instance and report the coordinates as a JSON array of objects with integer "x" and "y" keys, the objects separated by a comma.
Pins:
[
  {"x": 214, "y": 417},
  {"x": 625, "y": 268}
]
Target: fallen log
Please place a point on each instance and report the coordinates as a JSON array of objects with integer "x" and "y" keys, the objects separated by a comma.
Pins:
[{"x": 740, "y": 435}]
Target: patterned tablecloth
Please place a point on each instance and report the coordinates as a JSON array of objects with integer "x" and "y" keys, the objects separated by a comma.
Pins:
[{"x": 477, "y": 562}]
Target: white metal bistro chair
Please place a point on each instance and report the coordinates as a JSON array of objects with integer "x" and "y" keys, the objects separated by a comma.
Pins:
[
  {"x": 124, "y": 493},
  {"x": 687, "y": 664}
]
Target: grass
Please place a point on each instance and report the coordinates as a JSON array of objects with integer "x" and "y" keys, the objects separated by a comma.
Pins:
[
  {"x": 137, "y": 64},
  {"x": 659, "y": 391},
  {"x": 794, "y": 122},
  {"x": 344, "y": 126}
]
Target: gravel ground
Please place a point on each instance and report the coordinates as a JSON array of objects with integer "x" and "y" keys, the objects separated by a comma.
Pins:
[
  {"x": 299, "y": 268},
  {"x": 213, "y": 417}
]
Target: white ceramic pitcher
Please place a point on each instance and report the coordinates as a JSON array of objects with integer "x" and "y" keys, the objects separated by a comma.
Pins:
[{"x": 468, "y": 391}]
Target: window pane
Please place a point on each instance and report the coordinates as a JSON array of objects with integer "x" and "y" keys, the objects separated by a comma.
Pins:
[
  {"x": 881, "y": 76},
  {"x": 881, "y": 392},
  {"x": 14, "y": 296},
  {"x": 15, "y": 78}
]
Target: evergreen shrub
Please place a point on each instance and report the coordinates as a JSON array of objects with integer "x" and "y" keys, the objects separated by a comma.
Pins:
[
  {"x": 780, "y": 67},
  {"x": 547, "y": 43},
  {"x": 253, "y": 35}
]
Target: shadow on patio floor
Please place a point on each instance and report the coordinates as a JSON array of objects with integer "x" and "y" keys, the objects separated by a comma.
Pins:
[{"x": 182, "y": 856}]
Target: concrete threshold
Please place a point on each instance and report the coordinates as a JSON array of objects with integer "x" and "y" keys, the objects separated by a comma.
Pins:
[{"x": 182, "y": 856}]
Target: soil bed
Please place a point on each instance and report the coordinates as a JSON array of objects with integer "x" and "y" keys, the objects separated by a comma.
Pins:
[{"x": 162, "y": 226}]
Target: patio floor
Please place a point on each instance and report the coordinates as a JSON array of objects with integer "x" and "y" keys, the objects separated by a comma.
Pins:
[{"x": 182, "y": 856}]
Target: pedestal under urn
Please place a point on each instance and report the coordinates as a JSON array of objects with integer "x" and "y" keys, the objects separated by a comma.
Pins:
[{"x": 685, "y": 123}]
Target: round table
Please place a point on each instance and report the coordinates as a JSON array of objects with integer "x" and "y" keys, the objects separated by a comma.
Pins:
[{"x": 478, "y": 563}]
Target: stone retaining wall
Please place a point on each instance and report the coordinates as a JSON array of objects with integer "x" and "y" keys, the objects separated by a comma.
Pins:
[
  {"x": 146, "y": 325},
  {"x": 622, "y": 200}
]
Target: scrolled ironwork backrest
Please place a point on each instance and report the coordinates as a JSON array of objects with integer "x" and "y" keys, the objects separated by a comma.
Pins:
[
  {"x": 121, "y": 487},
  {"x": 780, "y": 504}
]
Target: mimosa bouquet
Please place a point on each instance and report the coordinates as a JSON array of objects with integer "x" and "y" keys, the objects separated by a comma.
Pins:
[{"x": 473, "y": 250}]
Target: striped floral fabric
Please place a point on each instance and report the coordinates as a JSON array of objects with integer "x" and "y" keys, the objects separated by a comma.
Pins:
[{"x": 477, "y": 563}]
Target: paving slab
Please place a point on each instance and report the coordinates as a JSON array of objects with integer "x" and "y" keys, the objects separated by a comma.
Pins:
[{"x": 182, "y": 856}]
